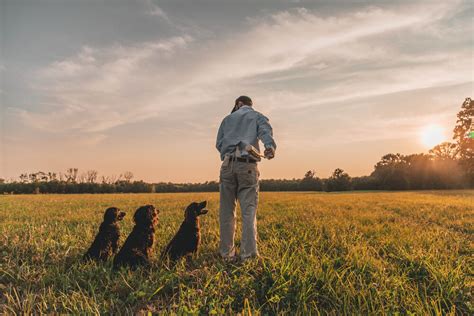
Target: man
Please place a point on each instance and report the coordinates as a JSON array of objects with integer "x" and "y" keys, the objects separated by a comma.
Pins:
[{"x": 238, "y": 144}]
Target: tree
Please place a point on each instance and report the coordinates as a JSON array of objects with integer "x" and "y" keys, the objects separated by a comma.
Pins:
[
  {"x": 52, "y": 176},
  {"x": 465, "y": 143},
  {"x": 91, "y": 176},
  {"x": 310, "y": 174},
  {"x": 33, "y": 177},
  {"x": 310, "y": 182},
  {"x": 81, "y": 178},
  {"x": 446, "y": 150},
  {"x": 389, "y": 160},
  {"x": 24, "y": 178},
  {"x": 128, "y": 176},
  {"x": 339, "y": 181},
  {"x": 419, "y": 171},
  {"x": 71, "y": 175},
  {"x": 391, "y": 172}
]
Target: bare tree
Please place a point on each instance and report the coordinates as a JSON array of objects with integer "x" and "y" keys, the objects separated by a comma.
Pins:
[
  {"x": 52, "y": 176},
  {"x": 128, "y": 176},
  {"x": 109, "y": 179},
  {"x": 24, "y": 177},
  {"x": 91, "y": 176},
  {"x": 42, "y": 176},
  {"x": 81, "y": 178},
  {"x": 33, "y": 177},
  {"x": 71, "y": 175},
  {"x": 112, "y": 179},
  {"x": 104, "y": 179}
]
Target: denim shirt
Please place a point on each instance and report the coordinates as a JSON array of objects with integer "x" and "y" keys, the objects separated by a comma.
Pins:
[{"x": 244, "y": 126}]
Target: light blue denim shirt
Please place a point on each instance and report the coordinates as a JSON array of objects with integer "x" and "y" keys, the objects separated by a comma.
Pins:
[{"x": 244, "y": 126}]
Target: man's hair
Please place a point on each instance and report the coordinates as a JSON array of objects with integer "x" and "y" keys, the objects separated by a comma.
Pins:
[{"x": 244, "y": 99}]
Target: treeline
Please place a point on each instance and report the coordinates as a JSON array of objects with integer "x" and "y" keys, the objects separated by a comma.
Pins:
[
  {"x": 63, "y": 187},
  {"x": 72, "y": 181},
  {"x": 392, "y": 172},
  {"x": 449, "y": 165}
]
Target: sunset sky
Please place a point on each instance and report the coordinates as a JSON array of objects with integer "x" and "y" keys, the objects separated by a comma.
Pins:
[{"x": 143, "y": 85}]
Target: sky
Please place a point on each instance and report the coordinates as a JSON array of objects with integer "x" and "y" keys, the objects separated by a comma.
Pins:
[{"x": 143, "y": 85}]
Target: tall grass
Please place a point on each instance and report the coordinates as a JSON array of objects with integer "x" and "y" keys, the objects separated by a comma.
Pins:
[{"x": 362, "y": 253}]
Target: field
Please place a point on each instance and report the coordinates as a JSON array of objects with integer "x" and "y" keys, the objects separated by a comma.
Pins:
[{"x": 338, "y": 253}]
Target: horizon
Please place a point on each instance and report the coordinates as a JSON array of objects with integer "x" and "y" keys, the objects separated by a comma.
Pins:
[
  {"x": 113, "y": 178},
  {"x": 142, "y": 86}
]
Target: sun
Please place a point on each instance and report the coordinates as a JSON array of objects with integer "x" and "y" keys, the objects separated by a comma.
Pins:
[{"x": 432, "y": 135}]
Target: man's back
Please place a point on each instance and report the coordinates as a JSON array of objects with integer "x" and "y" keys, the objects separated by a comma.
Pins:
[{"x": 244, "y": 126}]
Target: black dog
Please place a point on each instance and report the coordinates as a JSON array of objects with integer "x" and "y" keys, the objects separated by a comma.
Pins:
[
  {"x": 105, "y": 243},
  {"x": 187, "y": 239},
  {"x": 138, "y": 247}
]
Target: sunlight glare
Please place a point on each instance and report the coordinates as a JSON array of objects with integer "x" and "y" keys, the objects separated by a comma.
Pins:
[{"x": 432, "y": 135}]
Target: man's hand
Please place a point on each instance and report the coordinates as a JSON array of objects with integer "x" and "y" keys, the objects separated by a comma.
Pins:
[{"x": 269, "y": 153}]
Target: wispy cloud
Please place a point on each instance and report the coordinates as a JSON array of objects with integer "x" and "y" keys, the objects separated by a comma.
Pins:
[
  {"x": 99, "y": 89},
  {"x": 154, "y": 10},
  {"x": 335, "y": 59}
]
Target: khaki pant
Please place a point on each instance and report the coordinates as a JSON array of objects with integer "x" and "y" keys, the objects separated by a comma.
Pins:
[{"x": 238, "y": 181}]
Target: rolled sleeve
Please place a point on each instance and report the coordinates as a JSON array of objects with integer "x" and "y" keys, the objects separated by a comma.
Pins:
[
  {"x": 265, "y": 132},
  {"x": 220, "y": 137}
]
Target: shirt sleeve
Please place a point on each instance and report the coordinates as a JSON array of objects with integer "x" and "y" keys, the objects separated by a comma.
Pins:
[
  {"x": 220, "y": 136},
  {"x": 265, "y": 131}
]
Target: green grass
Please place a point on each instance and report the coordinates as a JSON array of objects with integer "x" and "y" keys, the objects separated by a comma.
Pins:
[{"x": 342, "y": 253}]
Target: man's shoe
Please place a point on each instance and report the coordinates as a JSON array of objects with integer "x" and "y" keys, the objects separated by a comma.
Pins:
[
  {"x": 251, "y": 257},
  {"x": 232, "y": 259}
]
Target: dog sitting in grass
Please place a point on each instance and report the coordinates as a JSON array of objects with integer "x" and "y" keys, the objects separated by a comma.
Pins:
[
  {"x": 137, "y": 248},
  {"x": 105, "y": 243},
  {"x": 187, "y": 239}
]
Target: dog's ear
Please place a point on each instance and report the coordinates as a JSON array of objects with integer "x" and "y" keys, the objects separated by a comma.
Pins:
[
  {"x": 140, "y": 215},
  {"x": 145, "y": 215},
  {"x": 186, "y": 211},
  {"x": 191, "y": 211},
  {"x": 110, "y": 214}
]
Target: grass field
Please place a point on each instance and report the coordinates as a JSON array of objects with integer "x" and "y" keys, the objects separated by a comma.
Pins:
[{"x": 363, "y": 253}]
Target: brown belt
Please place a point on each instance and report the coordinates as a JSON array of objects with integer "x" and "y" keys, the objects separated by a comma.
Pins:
[{"x": 249, "y": 160}]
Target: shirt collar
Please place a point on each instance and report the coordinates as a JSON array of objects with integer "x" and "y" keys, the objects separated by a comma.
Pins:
[{"x": 246, "y": 107}]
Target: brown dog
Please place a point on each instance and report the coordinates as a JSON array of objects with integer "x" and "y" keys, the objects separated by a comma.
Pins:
[
  {"x": 187, "y": 239},
  {"x": 105, "y": 243},
  {"x": 138, "y": 247}
]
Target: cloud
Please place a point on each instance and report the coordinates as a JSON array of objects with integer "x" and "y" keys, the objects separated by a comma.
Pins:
[
  {"x": 294, "y": 57},
  {"x": 291, "y": 38},
  {"x": 155, "y": 10},
  {"x": 100, "y": 89},
  {"x": 91, "y": 140}
]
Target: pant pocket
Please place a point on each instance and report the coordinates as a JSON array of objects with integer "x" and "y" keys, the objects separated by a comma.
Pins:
[
  {"x": 225, "y": 174},
  {"x": 249, "y": 176}
]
